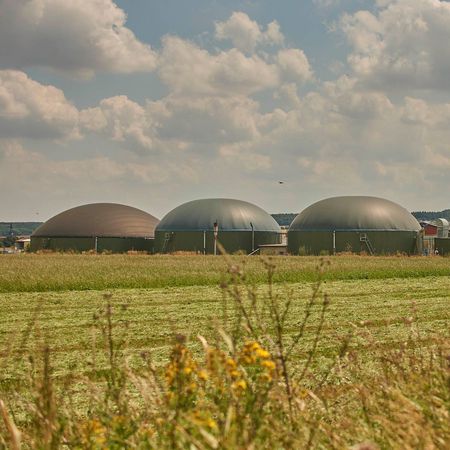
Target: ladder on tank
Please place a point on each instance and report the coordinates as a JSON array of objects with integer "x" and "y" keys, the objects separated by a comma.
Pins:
[
  {"x": 167, "y": 239},
  {"x": 364, "y": 238}
]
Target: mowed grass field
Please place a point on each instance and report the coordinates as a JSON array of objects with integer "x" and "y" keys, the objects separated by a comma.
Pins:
[
  {"x": 166, "y": 295},
  {"x": 55, "y": 300}
]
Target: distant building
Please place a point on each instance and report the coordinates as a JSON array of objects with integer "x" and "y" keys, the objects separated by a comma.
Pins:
[
  {"x": 429, "y": 229},
  {"x": 443, "y": 227},
  {"x": 22, "y": 243},
  {"x": 436, "y": 238}
]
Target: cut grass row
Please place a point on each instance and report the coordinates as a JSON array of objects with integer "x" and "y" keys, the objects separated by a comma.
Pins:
[
  {"x": 60, "y": 272},
  {"x": 154, "y": 316}
]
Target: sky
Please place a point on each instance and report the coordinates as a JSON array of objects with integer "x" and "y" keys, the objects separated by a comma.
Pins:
[{"x": 152, "y": 104}]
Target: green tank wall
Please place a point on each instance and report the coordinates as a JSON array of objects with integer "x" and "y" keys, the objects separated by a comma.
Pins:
[
  {"x": 62, "y": 244},
  {"x": 383, "y": 242},
  {"x": 123, "y": 245},
  {"x": 83, "y": 244},
  {"x": 442, "y": 245},
  {"x": 233, "y": 241}
]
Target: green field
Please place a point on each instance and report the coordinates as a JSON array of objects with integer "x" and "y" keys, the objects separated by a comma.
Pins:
[
  {"x": 56, "y": 301},
  {"x": 59, "y": 272}
]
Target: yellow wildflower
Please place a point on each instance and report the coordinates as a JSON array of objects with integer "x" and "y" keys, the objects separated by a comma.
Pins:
[
  {"x": 248, "y": 359},
  {"x": 192, "y": 387},
  {"x": 240, "y": 384},
  {"x": 268, "y": 364},
  {"x": 231, "y": 363},
  {"x": 234, "y": 374},
  {"x": 211, "y": 423},
  {"x": 261, "y": 353}
]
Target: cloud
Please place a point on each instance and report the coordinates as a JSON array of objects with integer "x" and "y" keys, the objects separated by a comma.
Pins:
[
  {"x": 211, "y": 120},
  {"x": 245, "y": 34},
  {"x": 173, "y": 124},
  {"x": 188, "y": 69},
  {"x": 416, "y": 111},
  {"x": 245, "y": 157},
  {"x": 74, "y": 36},
  {"x": 235, "y": 120},
  {"x": 349, "y": 136},
  {"x": 287, "y": 96},
  {"x": 294, "y": 65},
  {"x": 350, "y": 100},
  {"x": 210, "y": 108},
  {"x": 402, "y": 45},
  {"x": 33, "y": 110},
  {"x": 121, "y": 120},
  {"x": 37, "y": 169}
]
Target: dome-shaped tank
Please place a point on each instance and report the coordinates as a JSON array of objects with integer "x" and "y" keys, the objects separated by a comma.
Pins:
[
  {"x": 241, "y": 226},
  {"x": 97, "y": 226},
  {"x": 354, "y": 224}
]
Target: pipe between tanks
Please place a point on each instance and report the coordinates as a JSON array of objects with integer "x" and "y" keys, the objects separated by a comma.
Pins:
[
  {"x": 216, "y": 232},
  {"x": 253, "y": 236}
]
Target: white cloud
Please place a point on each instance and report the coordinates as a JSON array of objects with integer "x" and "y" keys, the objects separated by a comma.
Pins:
[
  {"x": 207, "y": 119},
  {"x": 74, "y": 36},
  {"x": 294, "y": 65},
  {"x": 38, "y": 169},
  {"x": 121, "y": 120},
  {"x": 245, "y": 34},
  {"x": 417, "y": 111},
  {"x": 273, "y": 34},
  {"x": 232, "y": 118},
  {"x": 30, "y": 109},
  {"x": 287, "y": 95},
  {"x": 244, "y": 157},
  {"x": 349, "y": 99},
  {"x": 173, "y": 124},
  {"x": 403, "y": 45},
  {"x": 187, "y": 68},
  {"x": 210, "y": 109},
  {"x": 357, "y": 136}
]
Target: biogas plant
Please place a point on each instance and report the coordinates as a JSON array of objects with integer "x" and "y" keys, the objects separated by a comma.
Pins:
[{"x": 353, "y": 224}]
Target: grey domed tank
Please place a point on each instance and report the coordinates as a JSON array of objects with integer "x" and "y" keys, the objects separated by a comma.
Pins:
[
  {"x": 241, "y": 226},
  {"x": 354, "y": 224},
  {"x": 97, "y": 226}
]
